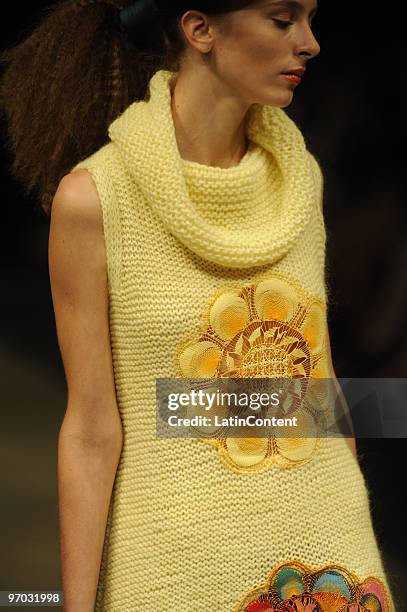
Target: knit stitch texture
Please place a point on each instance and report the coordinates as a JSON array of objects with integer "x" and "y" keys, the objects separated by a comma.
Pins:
[{"x": 198, "y": 527}]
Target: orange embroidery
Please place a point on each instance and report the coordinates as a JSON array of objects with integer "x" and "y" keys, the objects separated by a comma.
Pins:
[
  {"x": 269, "y": 329},
  {"x": 294, "y": 587}
]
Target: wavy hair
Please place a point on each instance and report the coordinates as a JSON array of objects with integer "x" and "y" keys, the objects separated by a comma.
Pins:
[{"x": 75, "y": 73}]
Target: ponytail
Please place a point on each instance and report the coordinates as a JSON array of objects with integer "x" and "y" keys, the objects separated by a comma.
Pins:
[
  {"x": 63, "y": 85},
  {"x": 78, "y": 71}
]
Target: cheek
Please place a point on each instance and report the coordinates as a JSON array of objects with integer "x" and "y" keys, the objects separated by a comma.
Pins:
[
  {"x": 249, "y": 68},
  {"x": 247, "y": 53}
]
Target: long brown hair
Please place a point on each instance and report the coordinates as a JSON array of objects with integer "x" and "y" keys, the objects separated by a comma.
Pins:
[{"x": 74, "y": 74}]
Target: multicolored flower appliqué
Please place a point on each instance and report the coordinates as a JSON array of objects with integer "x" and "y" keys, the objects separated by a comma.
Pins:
[
  {"x": 293, "y": 587},
  {"x": 269, "y": 329}
]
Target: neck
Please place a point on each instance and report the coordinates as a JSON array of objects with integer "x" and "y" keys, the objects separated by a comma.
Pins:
[{"x": 209, "y": 120}]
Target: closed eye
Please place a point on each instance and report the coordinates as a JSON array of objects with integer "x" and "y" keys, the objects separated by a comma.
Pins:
[{"x": 283, "y": 24}]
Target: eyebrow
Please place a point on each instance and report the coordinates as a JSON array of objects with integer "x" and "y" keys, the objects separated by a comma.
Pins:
[{"x": 293, "y": 4}]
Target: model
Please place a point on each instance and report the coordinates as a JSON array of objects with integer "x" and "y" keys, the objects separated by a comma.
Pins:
[{"x": 187, "y": 240}]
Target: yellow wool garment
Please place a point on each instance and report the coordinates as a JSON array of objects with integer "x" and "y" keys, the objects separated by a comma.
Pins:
[{"x": 215, "y": 272}]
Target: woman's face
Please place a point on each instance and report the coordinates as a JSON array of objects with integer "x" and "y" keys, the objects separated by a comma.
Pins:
[{"x": 253, "y": 46}]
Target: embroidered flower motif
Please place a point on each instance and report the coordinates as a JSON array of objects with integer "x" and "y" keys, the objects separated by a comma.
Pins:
[
  {"x": 269, "y": 329},
  {"x": 294, "y": 587}
]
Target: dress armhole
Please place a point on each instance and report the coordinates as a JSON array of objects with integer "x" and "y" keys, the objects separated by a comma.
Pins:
[
  {"x": 97, "y": 165},
  {"x": 324, "y": 264},
  {"x": 320, "y": 183}
]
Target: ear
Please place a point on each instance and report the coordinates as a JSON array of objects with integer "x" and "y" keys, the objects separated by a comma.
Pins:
[{"x": 198, "y": 30}]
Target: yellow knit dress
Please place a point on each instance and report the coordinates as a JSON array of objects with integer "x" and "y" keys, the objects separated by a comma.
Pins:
[{"x": 213, "y": 272}]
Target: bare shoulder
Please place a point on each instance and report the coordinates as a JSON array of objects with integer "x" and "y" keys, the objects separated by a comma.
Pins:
[
  {"x": 76, "y": 241},
  {"x": 77, "y": 197},
  {"x": 77, "y": 268},
  {"x": 76, "y": 228}
]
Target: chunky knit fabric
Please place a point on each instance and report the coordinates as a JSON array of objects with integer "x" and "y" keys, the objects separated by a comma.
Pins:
[{"x": 215, "y": 272}]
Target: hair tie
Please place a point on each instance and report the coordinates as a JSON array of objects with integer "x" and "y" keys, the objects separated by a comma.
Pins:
[{"x": 138, "y": 16}]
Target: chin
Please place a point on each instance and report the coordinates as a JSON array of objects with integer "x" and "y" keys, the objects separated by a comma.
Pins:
[
  {"x": 285, "y": 104},
  {"x": 281, "y": 101}
]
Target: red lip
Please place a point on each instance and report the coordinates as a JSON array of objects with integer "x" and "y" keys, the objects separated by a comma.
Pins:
[
  {"x": 293, "y": 78},
  {"x": 297, "y": 71}
]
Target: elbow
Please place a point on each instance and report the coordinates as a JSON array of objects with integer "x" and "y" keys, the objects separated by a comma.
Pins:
[{"x": 105, "y": 437}]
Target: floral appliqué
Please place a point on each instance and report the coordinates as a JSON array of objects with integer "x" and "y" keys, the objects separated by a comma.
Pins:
[
  {"x": 269, "y": 329},
  {"x": 293, "y": 587}
]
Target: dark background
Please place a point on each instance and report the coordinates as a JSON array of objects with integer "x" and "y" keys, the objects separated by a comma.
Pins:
[{"x": 350, "y": 110}]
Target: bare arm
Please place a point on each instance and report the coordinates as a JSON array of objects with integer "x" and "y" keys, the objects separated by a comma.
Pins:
[{"x": 90, "y": 438}]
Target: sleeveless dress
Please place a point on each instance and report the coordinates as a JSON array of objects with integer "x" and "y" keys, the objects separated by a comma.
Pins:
[{"x": 213, "y": 273}]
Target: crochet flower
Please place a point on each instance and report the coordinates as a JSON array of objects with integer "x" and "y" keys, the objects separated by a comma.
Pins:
[
  {"x": 269, "y": 329},
  {"x": 294, "y": 587}
]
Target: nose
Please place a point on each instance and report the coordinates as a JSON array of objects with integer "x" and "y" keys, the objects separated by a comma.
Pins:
[{"x": 308, "y": 45}]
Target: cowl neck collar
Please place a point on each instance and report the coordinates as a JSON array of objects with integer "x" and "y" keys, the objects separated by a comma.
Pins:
[{"x": 244, "y": 216}]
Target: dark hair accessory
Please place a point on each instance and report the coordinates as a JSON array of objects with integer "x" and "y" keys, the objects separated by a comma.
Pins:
[{"x": 138, "y": 16}]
